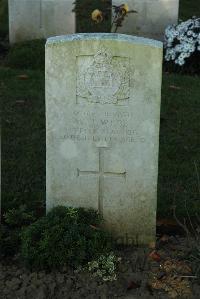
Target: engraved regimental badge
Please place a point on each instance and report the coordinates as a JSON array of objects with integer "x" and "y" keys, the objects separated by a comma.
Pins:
[{"x": 102, "y": 78}]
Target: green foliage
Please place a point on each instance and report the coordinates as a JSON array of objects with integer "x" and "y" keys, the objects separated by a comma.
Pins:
[
  {"x": 13, "y": 222},
  {"x": 9, "y": 241},
  {"x": 27, "y": 55},
  {"x": 66, "y": 236},
  {"x": 84, "y": 9},
  {"x": 19, "y": 217}
]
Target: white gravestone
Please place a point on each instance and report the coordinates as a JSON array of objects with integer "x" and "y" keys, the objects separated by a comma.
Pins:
[
  {"x": 102, "y": 120},
  {"x": 34, "y": 19},
  {"x": 151, "y": 19}
]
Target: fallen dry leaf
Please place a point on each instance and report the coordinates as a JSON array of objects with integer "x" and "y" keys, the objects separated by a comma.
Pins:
[
  {"x": 155, "y": 256},
  {"x": 94, "y": 227},
  {"x": 20, "y": 102},
  {"x": 23, "y": 77},
  {"x": 180, "y": 267},
  {"x": 166, "y": 222},
  {"x": 176, "y": 287},
  {"x": 152, "y": 245},
  {"x": 161, "y": 275},
  {"x": 174, "y": 87},
  {"x": 133, "y": 285},
  {"x": 164, "y": 238}
]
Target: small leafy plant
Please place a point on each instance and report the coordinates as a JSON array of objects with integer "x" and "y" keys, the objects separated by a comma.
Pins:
[
  {"x": 19, "y": 217},
  {"x": 13, "y": 220},
  {"x": 182, "y": 45},
  {"x": 66, "y": 236},
  {"x": 9, "y": 241},
  {"x": 104, "y": 267}
]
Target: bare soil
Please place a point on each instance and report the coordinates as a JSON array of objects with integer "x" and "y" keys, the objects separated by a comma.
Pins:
[{"x": 160, "y": 272}]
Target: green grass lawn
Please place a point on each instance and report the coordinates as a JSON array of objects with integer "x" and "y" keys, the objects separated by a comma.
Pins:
[
  {"x": 23, "y": 130},
  {"x": 189, "y": 8},
  {"x": 23, "y": 138},
  {"x": 179, "y": 144}
]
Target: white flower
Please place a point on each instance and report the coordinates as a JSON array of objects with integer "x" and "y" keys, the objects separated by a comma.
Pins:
[
  {"x": 182, "y": 40},
  {"x": 190, "y": 32}
]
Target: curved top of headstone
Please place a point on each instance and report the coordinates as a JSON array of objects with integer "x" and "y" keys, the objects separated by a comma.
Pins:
[{"x": 105, "y": 36}]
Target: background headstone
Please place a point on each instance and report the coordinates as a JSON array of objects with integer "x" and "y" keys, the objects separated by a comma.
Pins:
[
  {"x": 152, "y": 18},
  {"x": 102, "y": 120},
  {"x": 33, "y": 19}
]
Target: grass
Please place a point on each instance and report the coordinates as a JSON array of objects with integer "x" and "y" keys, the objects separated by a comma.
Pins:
[
  {"x": 179, "y": 144},
  {"x": 23, "y": 138},
  {"x": 27, "y": 55},
  {"x": 189, "y": 8}
]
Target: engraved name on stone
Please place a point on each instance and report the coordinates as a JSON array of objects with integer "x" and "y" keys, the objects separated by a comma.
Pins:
[{"x": 110, "y": 127}]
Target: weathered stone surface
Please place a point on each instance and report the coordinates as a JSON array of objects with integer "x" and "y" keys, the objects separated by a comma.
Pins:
[
  {"x": 32, "y": 19},
  {"x": 102, "y": 121},
  {"x": 152, "y": 18}
]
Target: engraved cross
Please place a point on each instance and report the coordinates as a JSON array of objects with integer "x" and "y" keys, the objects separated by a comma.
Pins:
[{"x": 101, "y": 174}]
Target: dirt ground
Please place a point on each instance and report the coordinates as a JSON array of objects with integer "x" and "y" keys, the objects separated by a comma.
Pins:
[{"x": 160, "y": 272}]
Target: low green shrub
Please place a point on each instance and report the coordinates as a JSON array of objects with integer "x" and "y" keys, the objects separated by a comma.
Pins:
[
  {"x": 27, "y": 55},
  {"x": 66, "y": 236},
  {"x": 9, "y": 241},
  {"x": 13, "y": 220},
  {"x": 19, "y": 217}
]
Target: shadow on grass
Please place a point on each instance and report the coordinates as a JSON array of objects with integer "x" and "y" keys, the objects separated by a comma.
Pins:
[{"x": 23, "y": 138}]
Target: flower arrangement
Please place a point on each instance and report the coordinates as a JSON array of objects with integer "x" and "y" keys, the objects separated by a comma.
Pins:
[
  {"x": 120, "y": 12},
  {"x": 99, "y": 15},
  {"x": 182, "y": 44},
  {"x": 92, "y": 15}
]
